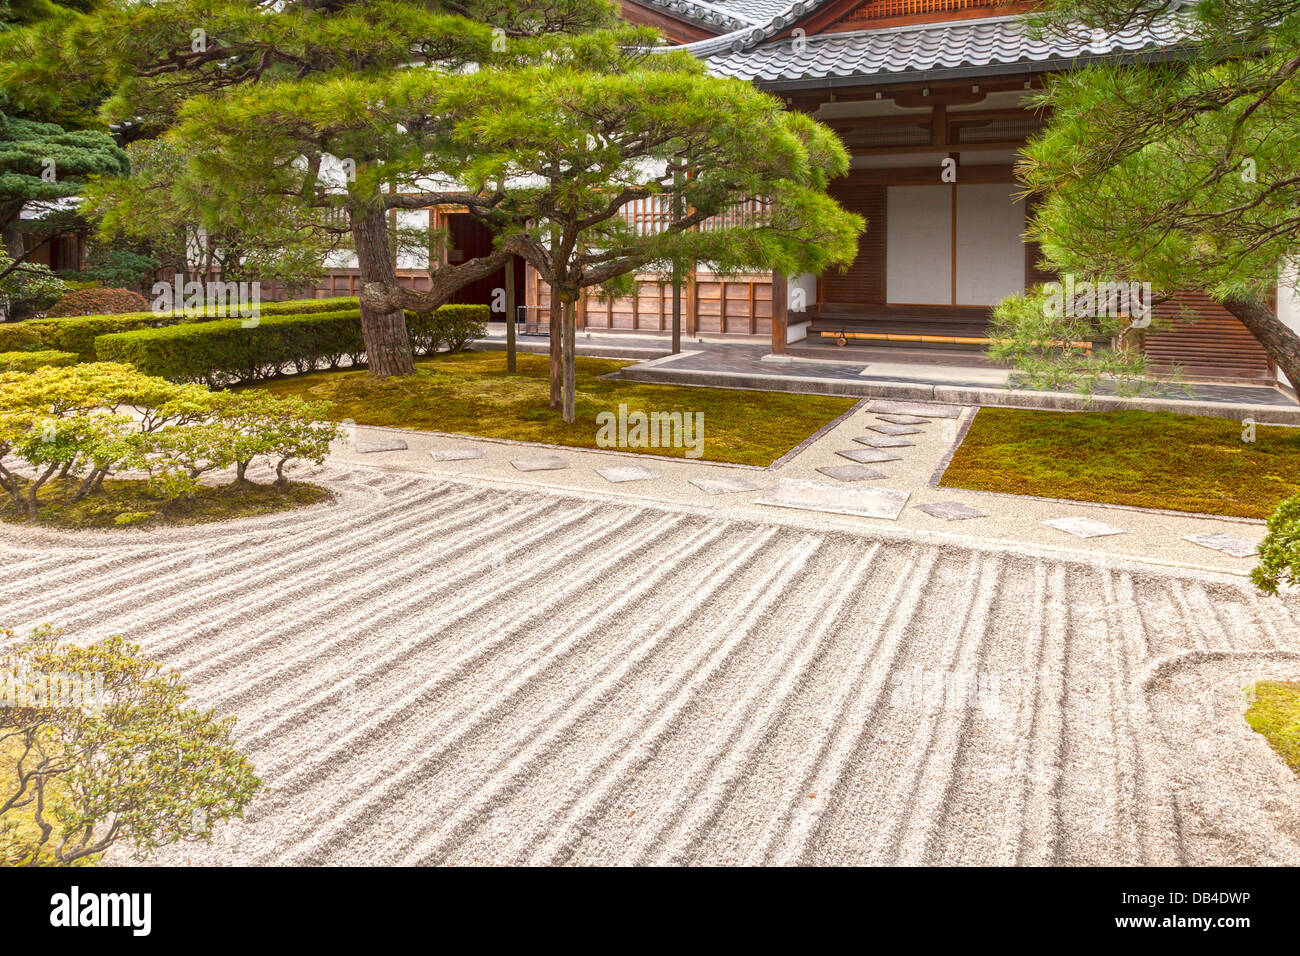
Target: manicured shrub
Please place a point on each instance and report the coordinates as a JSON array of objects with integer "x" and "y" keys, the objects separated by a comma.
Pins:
[
  {"x": 1279, "y": 552},
  {"x": 19, "y": 337},
  {"x": 234, "y": 352},
  {"x": 98, "y": 302},
  {"x": 231, "y": 351},
  {"x": 461, "y": 324},
  {"x": 89, "y": 421},
  {"x": 77, "y": 334},
  {"x": 30, "y": 361}
]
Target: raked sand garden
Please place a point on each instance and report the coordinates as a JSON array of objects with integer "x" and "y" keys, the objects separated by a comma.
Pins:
[{"x": 439, "y": 670}]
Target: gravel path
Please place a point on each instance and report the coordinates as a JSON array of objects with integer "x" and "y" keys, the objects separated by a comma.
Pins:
[{"x": 432, "y": 671}]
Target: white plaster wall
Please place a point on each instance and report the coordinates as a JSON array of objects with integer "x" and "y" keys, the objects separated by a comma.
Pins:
[
  {"x": 918, "y": 245},
  {"x": 990, "y": 250}
]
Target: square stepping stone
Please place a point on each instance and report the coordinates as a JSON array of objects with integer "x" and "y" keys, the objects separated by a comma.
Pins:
[
  {"x": 540, "y": 463},
  {"x": 882, "y": 441},
  {"x": 1083, "y": 527},
  {"x": 866, "y": 502},
  {"x": 619, "y": 473},
  {"x": 919, "y": 409},
  {"x": 852, "y": 472},
  {"x": 383, "y": 444},
  {"x": 455, "y": 454},
  {"x": 904, "y": 419},
  {"x": 724, "y": 485},
  {"x": 868, "y": 456},
  {"x": 895, "y": 430},
  {"x": 1232, "y": 544},
  {"x": 950, "y": 510}
]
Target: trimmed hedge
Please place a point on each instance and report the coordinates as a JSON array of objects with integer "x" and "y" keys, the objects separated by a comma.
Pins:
[
  {"x": 31, "y": 361},
  {"x": 18, "y": 337},
  {"x": 224, "y": 352},
  {"x": 78, "y": 333},
  {"x": 450, "y": 326}
]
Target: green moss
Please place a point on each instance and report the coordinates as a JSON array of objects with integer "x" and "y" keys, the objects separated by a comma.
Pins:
[
  {"x": 1146, "y": 459},
  {"x": 470, "y": 393},
  {"x": 131, "y": 503},
  {"x": 1275, "y": 713}
]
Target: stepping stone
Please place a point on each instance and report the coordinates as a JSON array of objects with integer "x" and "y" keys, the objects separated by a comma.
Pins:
[
  {"x": 540, "y": 463},
  {"x": 852, "y": 472},
  {"x": 455, "y": 454},
  {"x": 618, "y": 473},
  {"x": 895, "y": 430},
  {"x": 724, "y": 486},
  {"x": 882, "y": 441},
  {"x": 950, "y": 510},
  {"x": 866, "y": 502},
  {"x": 920, "y": 409},
  {"x": 1083, "y": 527},
  {"x": 868, "y": 456},
  {"x": 1232, "y": 544},
  {"x": 384, "y": 444},
  {"x": 904, "y": 419}
]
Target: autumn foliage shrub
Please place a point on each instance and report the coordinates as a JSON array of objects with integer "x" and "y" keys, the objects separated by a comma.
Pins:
[{"x": 95, "y": 301}]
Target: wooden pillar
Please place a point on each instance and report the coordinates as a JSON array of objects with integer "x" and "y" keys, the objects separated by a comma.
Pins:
[{"x": 780, "y": 312}]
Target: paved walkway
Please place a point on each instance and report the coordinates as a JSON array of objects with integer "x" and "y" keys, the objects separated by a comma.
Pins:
[
  {"x": 899, "y": 374},
  {"x": 873, "y": 469}
]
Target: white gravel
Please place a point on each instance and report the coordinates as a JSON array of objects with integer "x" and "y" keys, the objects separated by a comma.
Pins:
[{"x": 435, "y": 671}]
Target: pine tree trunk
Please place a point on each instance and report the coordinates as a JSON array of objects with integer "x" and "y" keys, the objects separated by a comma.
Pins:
[
  {"x": 388, "y": 347},
  {"x": 1278, "y": 339},
  {"x": 570, "y": 398},
  {"x": 510, "y": 314},
  {"x": 556, "y": 344}
]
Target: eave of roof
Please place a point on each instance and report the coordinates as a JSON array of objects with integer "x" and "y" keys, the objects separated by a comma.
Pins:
[{"x": 923, "y": 51}]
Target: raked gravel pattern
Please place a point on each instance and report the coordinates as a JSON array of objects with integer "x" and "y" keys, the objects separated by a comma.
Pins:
[{"x": 431, "y": 671}]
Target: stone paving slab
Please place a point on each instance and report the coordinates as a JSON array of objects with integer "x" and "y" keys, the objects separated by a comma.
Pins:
[
  {"x": 455, "y": 454},
  {"x": 868, "y": 456},
  {"x": 725, "y": 485},
  {"x": 852, "y": 472},
  {"x": 383, "y": 444},
  {"x": 951, "y": 510},
  {"x": 621, "y": 473},
  {"x": 866, "y": 502},
  {"x": 920, "y": 409},
  {"x": 904, "y": 419},
  {"x": 882, "y": 441},
  {"x": 895, "y": 430},
  {"x": 1232, "y": 544},
  {"x": 1083, "y": 527},
  {"x": 540, "y": 463}
]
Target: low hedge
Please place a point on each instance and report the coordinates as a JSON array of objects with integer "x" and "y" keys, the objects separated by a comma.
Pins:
[
  {"x": 224, "y": 352},
  {"x": 31, "y": 361},
  {"x": 450, "y": 326},
  {"x": 220, "y": 353},
  {"x": 19, "y": 337},
  {"x": 78, "y": 333}
]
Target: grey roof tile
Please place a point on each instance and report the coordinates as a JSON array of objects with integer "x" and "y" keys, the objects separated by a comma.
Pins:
[{"x": 921, "y": 48}]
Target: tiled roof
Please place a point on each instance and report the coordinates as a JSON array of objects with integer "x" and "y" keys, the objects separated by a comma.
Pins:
[
  {"x": 727, "y": 15},
  {"x": 929, "y": 48}
]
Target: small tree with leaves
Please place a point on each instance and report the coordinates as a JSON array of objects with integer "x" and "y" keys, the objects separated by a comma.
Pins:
[{"x": 100, "y": 745}]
